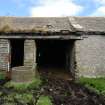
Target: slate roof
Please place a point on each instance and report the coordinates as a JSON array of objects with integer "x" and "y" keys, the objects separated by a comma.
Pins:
[
  {"x": 52, "y": 24},
  {"x": 89, "y": 24},
  {"x": 32, "y": 24}
]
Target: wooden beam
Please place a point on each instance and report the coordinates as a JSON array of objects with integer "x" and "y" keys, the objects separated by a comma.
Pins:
[{"x": 61, "y": 37}]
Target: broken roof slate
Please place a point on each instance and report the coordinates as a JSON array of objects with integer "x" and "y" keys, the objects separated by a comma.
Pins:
[{"x": 89, "y": 24}]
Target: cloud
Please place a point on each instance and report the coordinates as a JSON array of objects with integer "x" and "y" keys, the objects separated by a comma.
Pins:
[
  {"x": 52, "y": 8},
  {"x": 102, "y": 2},
  {"x": 100, "y": 11}
]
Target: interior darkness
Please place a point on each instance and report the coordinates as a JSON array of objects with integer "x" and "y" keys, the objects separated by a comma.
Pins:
[
  {"x": 51, "y": 53},
  {"x": 17, "y": 52}
]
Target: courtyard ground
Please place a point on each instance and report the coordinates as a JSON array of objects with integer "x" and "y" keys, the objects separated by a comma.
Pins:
[{"x": 49, "y": 91}]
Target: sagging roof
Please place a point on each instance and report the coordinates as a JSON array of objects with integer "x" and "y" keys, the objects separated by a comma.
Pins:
[
  {"x": 62, "y": 25},
  {"x": 32, "y": 24}
]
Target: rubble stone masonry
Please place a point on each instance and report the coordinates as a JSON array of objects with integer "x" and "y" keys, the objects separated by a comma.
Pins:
[
  {"x": 90, "y": 56},
  {"x": 4, "y": 54}
]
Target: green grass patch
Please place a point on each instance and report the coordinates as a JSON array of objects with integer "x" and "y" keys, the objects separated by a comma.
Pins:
[
  {"x": 35, "y": 83},
  {"x": 98, "y": 84},
  {"x": 2, "y": 76},
  {"x": 26, "y": 99},
  {"x": 44, "y": 100},
  {"x": 23, "y": 98}
]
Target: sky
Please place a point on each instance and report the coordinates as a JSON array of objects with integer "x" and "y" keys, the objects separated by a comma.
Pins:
[{"x": 52, "y": 8}]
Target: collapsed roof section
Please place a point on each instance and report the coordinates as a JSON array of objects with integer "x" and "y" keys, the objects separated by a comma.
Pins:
[{"x": 53, "y": 25}]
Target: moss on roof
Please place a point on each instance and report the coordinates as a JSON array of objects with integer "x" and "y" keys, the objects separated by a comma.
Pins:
[{"x": 52, "y": 24}]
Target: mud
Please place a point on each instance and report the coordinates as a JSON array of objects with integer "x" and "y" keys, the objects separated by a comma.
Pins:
[{"x": 66, "y": 92}]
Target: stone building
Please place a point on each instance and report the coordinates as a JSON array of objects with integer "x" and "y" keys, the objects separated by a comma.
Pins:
[{"x": 75, "y": 44}]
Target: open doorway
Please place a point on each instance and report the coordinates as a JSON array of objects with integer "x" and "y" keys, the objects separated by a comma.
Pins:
[
  {"x": 17, "y": 52},
  {"x": 51, "y": 54},
  {"x": 54, "y": 56}
]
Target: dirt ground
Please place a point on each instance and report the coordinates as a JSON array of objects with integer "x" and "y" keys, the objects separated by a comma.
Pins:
[
  {"x": 67, "y": 92},
  {"x": 55, "y": 73}
]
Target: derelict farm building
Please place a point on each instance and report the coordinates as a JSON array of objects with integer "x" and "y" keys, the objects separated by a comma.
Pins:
[{"x": 72, "y": 43}]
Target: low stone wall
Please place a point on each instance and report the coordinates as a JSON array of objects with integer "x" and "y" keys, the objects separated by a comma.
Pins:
[
  {"x": 4, "y": 54},
  {"x": 90, "y": 56},
  {"x": 23, "y": 74}
]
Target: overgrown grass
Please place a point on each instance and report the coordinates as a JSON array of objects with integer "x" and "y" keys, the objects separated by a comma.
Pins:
[
  {"x": 24, "y": 93},
  {"x": 44, "y": 100},
  {"x": 2, "y": 76},
  {"x": 98, "y": 84},
  {"x": 35, "y": 83},
  {"x": 23, "y": 98},
  {"x": 26, "y": 99}
]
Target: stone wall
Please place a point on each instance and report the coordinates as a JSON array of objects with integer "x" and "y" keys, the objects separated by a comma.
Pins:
[
  {"x": 27, "y": 72},
  {"x": 89, "y": 53},
  {"x": 4, "y": 54},
  {"x": 29, "y": 53},
  {"x": 70, "y": 58},
  {"x": 90, "y": 56}
]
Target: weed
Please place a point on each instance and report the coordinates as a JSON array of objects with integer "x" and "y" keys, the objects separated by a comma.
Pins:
[
  {"x": 6, "y": 29},
  {"x": 35, "y": 83},
  {"x": 9, "y": 103},
  {"x": 97, "y": 84},
  {"x": 9, "y": 98},
  {"x": 2, "y": 76},
  {"x": 44, "y": 100},
  {"x": 24, "y": 98}
]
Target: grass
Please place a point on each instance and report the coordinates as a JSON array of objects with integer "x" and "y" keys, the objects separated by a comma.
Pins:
[
  {"x": 24, "y": 93},
  {"x": 44, "y": 100},
  {"x": 2, "y": 76},
  {"x": 35, "y": 83},
  {"x": 26, "y": 99},
  {"x": 23, "y": 98},
  {"x": 98, "y": 84}
]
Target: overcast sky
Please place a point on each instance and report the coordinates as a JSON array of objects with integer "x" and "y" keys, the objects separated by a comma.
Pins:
[{"x": 52, "y": 8}]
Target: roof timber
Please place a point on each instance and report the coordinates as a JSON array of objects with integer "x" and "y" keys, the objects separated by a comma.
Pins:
[{"x": 60, "y": 37}]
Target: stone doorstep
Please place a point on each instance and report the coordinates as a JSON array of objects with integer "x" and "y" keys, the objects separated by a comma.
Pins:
[
  {"x": 22, "y": 74},
  {"x": 19, "y": 68}
]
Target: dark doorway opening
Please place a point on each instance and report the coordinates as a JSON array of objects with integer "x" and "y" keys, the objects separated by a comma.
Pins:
[
  {"x": 54, "y": 55},
  {"x": 17, "y": 52}
]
